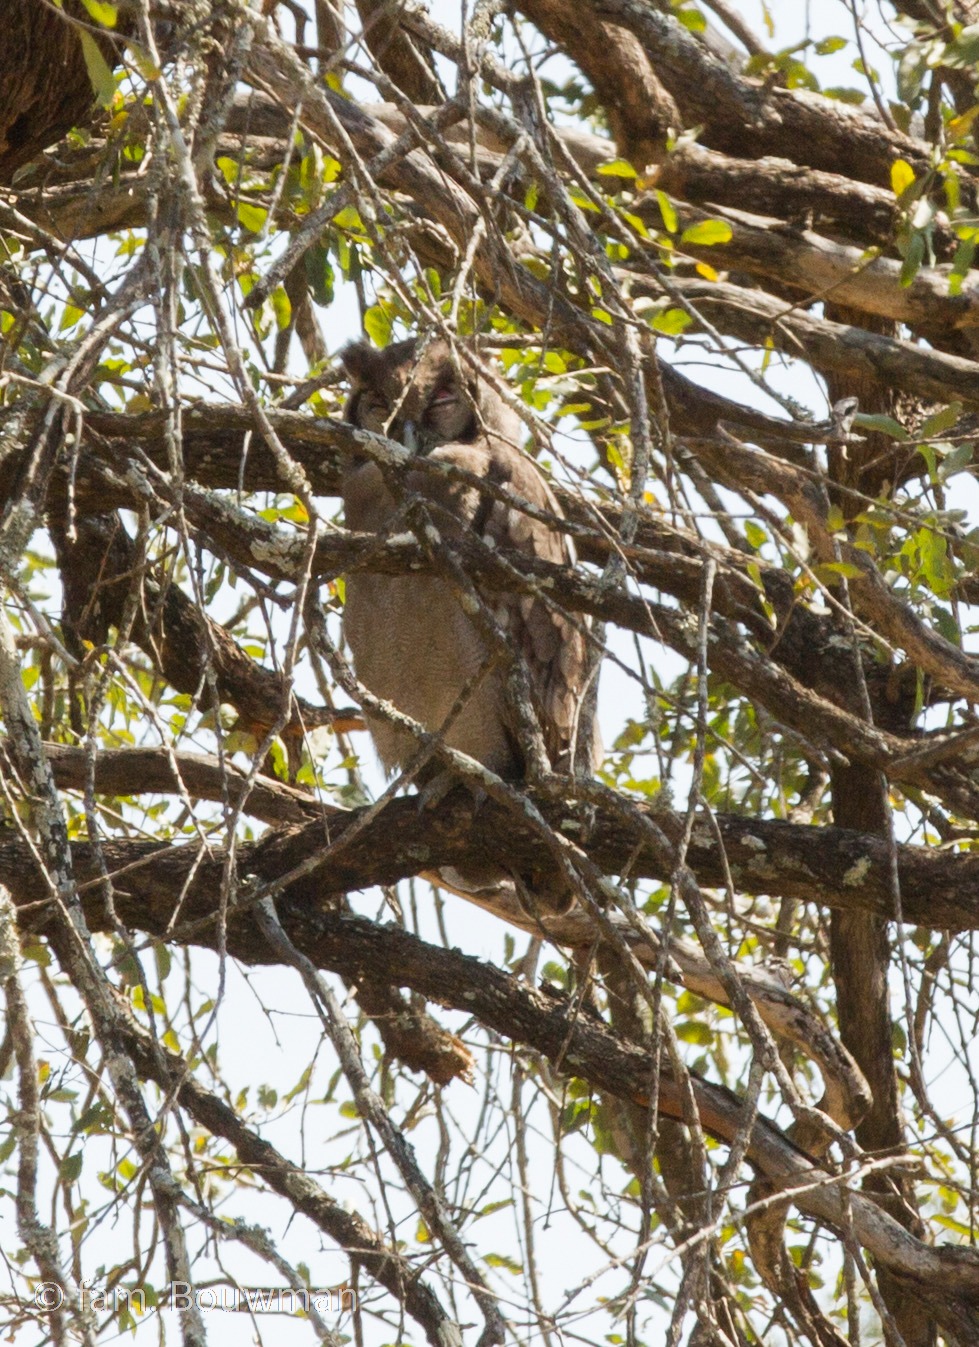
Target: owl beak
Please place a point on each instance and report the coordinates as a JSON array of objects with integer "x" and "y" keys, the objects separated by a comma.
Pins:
[{"x": 409, "y": 437}]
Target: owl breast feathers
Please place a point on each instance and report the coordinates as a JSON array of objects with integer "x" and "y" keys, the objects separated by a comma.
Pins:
[{"x": 413, "y": 644}]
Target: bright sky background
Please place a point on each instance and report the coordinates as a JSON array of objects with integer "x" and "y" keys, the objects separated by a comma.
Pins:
[{"x": 264, "y": 1025}]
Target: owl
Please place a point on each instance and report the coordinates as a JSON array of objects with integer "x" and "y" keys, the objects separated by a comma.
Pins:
[{"x": 410, "y": 637}]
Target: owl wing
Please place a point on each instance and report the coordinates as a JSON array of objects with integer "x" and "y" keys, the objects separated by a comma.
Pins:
[{"x": 552, "y": 646}]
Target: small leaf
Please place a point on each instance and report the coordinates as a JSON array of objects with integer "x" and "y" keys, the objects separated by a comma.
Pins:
[
  {"x": 695, "y": 1031},
  {"x": 670, "y": 222},
  {"x": 902, "y": 176},
  {"x": 941, "y": 421},
  {"x": 143, "y": 62},
  {"x": 933, "y": 549},
  {"x": 961, "y": 264},
  {"x": 958, "y": 460},
  {"x": 504, "y": 1261},
  {"x": 671, "y": 322},
  {"x": 885, "y": 425},
  {"x": 638, "y": 224},
  {"x": 252, "y": 217},
  {"x": 71, "y": 1167},
  {"x": 707, "y": 233},
  {"x": 103, "y": 12},
  {"x": 348, "y": 218},
  {"x": 618, "y": 168},
  {"x": 844, "y": 568},
  {"x": 960, "y": 126},
  {"x": 844, "y": 94},
  {"x": 913, "y": 258},
  {"x": 281, "y": 307},
  {"x": 692, "y": 20},
  {"x": 320, "y": 274},
  {"x": 228, "y": 168},
  {"x": 377, "y": 325},
  {"x": 964, "y": 51},
  {"x": 103, "y": 81}
]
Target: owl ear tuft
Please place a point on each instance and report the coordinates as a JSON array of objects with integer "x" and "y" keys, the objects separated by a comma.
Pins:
[
  {"x": 359, "y": 359},
  {"x": 365, "y": 364}
]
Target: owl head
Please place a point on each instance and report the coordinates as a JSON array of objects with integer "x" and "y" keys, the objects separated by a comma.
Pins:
[{"x": 419, "y": 398}]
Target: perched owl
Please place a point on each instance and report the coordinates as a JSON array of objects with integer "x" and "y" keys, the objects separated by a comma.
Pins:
[{"x": 411, "y": 640}]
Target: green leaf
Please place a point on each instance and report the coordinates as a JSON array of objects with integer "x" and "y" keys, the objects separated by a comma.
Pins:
[
  {"x": 348, "y": 218},
  {"x": 946, "y": 624},
  {"x": 964, "y": 51},
  {"x": 582, "y": 201},
  {"x": 281, "y": 307},
  {"x": 884, "y": 425},
  {"x": 491, "y": 1207},
  {"x": 941, "y": 421},
  {"x": 845, "y": 568},
  {"x": 251, "y": 216},
  {"x": 163, "y": 960},
  {"x": 228, "y": 168},
  {"x": 670, "y": 222},
  {"x": 692, "y": 20},
  {"x": 618, "y": 168},
  {"x": 957, "y": 460},
  {"x": 695, "y": 1031},
  {"x": 143, "y": 62},
  {"x": 102, "y": 78},
  {"x": 961, "y": 265},
  {"x": 70, "y": 1167},
  {"x": 844, "y": 94},
  {"x": 103, "y": 12},
  {"x": 933, "y": 549},
  {"x": 671, "y": 322},
  {"x": 503, "y": 1261},
  {"x": 377, "y": 325},
  {"x": 913, "y": 258},
  {"x": 320, "y": 274},
  {"x": 902, "y": 176},
  {"x": 637, "y": 223},
  {"x": 299, "y": 1086},
  {"x": 96, "y": 1117},
  {"x": 707, "y": 233}
]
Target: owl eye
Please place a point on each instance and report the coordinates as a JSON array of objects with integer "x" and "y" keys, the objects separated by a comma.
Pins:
[{"x": 372, "y": 411}]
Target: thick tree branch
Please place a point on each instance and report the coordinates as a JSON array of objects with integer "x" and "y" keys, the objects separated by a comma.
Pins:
[{"x": 360, "y": 950}]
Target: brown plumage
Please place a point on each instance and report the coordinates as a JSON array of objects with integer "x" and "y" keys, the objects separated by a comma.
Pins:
[{"x": 411, "y": 640}]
